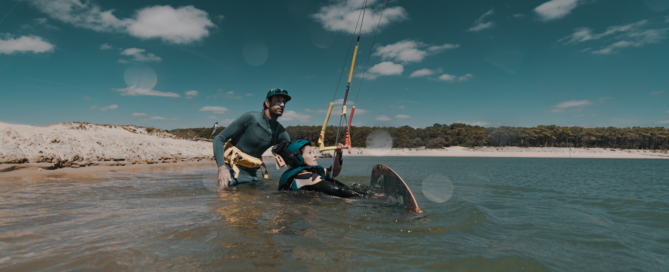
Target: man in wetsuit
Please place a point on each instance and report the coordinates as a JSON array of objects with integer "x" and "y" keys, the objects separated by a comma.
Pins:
[{"x": 252, "y": 133}]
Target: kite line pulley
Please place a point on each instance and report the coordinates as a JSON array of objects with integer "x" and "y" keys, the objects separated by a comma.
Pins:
[{"x": 347, "y": 140}]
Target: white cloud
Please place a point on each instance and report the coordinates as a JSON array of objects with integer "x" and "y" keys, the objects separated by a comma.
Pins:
[
  {"x": 316, "y": 111},
  {"x": 250, "y": 94},
  {"x": 447, "y": 77},
  {"x": 133, "y": 91},
  {"x": 138, "y": 55},
  {"x": 518, "y": 15},
  {"x": 479, "y": 24},
  {"x": 293, "y": 115},
  {"x": 215, "y": 109},
  {"x": 630, "y": 35},
  {"x": 663, "y": 122},
  {"x": 105, "y": 46},
  {"x": 39, "y": 23},
  {"x": 386, "y": 68},
  {"x": 159, "y": 118},
  {"x": 139, "y": 114},
  {"x": 23, "y": 44},
  {"x": 402, "y": 116},
  {"x": 226, "y": 121},
  {"x": 422, "y": 73},
  {"x": 361, "y": 111},
  {"x": 573, "y": 103},
  {"x": 475, "y": 123},
  {"x": 342, "y": 15},
  {"x": 382, "y": 118},
  {"x": 555, "y": 9},
  {"x": 465, "y": 77},
  {"x": 453, "y": 78},
  {"x": 182, "y": 25},
  {"x": 656, "y": 92},
  {"x": 110, "y": 107},
  {"x": 408, "y": 51},
  {"x": 583, "y": 34},
  {"x": 229, "y": 94},
  {"x": 192, "y": 93}
]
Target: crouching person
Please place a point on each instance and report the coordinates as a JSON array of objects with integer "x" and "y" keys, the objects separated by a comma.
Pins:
[{"x": 306, "y": 174}]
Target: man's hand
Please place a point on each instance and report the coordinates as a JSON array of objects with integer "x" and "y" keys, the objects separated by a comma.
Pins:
[
  {"x": 224, "y": 176},
  {"x": 339, "y": 148}
]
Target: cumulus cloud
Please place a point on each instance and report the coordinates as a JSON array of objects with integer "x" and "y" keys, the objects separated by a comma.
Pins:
[
  {"x": 139, "y": 114},
  {"x": 181, "y": 25},
  {"x": 454, "y": 78},
  {"x": 214, "y": 109},
  {"x": 663, "y": 122},
  {"x": 555, "y": 9},
  {"x": 159, "y": 118},
  {"x": 110, "y": 107},
  {"x": 408, "y": 51},
  {"x": 479, "y": 24},
  {"x": 656, "y": 92},
  {"x": 316, "y": 111},
  {"x": 105, "y": 46},
  {"x": 474, "y": 123},
  {"x": 293, "y": 115},
  {"x": 192, "y": 93},
  {"x": 422, "y": 73},
  {"x": 630, "y": 35},
  {"x": 382, "y": 118},
  {"x": 402, "y": 116},
  {"x": 39, "y": 23},
  {"x": 10, "y": 45},
  {"x": 386, "y": 68},
  {"x": 342, "y": 15},
  {"x": 139, "y": 56},
  {"x": 575, "y": 105},
  {"x": 133, "y": 91},
  {"x": 211, "y": 117}
]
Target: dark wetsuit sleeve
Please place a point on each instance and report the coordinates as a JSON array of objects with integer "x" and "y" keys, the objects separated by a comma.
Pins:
[
  {"x": 332, "y": 187},
  {"x": 283, "y": 135},
  {"x": 237, "y": 127},
  {"x": 337, "y": 163}
]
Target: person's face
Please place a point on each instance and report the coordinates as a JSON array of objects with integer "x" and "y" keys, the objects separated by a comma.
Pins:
[
  {"x": 276, "y": 105},
  {"x": 309, "y": 156}
]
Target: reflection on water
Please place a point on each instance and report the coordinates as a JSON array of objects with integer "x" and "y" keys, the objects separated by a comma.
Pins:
[{"x": 504, "y": 214}]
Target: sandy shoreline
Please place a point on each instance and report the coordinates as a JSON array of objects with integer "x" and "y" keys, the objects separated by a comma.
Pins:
[{"x": 85, "y": 149}]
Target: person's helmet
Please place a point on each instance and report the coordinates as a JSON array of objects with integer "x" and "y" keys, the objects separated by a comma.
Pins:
[
  {"x": 279, "y": 92},
  {"x": 290, "y": 153},
  {"x": 295, "y": 147}
]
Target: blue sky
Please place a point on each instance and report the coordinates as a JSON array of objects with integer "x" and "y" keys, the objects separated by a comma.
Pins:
[{"x": 171, "y": 64}]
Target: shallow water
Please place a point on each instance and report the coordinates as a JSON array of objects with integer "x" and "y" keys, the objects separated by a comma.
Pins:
[{"x": 504, "y": 214}]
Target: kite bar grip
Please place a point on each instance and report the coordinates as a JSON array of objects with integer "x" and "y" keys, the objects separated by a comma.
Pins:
[{"x": 321, "y": 140}]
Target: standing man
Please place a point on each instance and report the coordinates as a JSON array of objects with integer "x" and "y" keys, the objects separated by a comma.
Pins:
[{"x": 239, "y": 147}]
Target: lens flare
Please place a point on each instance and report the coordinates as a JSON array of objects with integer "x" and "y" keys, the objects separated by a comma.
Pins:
[
  {"x": 379, "y": 143},
  {"x": 140, "y": 76},
  {"x": 255, "y": 53},
  {"x": 437, "y": 188}
]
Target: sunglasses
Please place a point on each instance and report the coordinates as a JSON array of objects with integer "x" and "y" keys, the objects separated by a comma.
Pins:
[{"x": 277, "y": 91}]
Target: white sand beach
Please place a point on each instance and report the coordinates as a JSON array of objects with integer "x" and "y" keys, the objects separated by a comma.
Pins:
[{"x": 75, "y": 145}]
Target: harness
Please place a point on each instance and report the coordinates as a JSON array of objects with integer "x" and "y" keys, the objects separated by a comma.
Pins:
[
  {"x": 234, "y": 156},
  {"x": 294, "y": 171}
]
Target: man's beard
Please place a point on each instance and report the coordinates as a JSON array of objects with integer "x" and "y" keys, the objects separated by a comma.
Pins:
[{"x": 277, "y": 112}]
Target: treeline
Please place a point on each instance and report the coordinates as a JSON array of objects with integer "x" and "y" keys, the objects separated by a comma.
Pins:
[{"x": 438, "y": 136}]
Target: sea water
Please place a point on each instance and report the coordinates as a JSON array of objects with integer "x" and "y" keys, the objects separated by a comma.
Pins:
[{"x": 509, "y": 214}]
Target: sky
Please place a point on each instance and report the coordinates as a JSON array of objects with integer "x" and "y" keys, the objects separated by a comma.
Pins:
[{"x": 176, "y": 64}]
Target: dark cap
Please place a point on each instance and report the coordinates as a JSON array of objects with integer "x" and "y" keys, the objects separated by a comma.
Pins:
[{"x": 280, "y": 92}]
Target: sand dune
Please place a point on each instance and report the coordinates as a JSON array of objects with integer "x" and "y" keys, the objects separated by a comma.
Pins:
[{"x": 77, "y": 144}]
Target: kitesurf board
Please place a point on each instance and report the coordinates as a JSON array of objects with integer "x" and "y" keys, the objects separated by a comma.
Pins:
[{"x": 385, "y": 181}]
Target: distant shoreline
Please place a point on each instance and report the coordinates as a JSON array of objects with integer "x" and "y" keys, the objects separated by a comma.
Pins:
[{"x": 513, "y": 152}]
